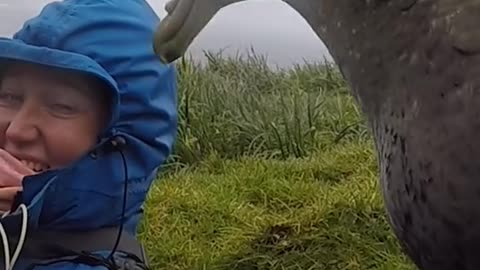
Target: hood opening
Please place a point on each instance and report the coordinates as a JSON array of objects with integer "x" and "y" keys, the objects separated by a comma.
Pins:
[
  {"x": 107, "y": 94},
  {"x": 110, "y": 40}
]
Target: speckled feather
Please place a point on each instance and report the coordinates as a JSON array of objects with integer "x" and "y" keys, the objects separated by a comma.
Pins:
[{"x": 414, "y": 68}]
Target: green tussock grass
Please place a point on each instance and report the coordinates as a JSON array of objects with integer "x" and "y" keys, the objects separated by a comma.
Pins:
[
  {"x": 237, "y": 107},
  {"x": 272, "y": 170}
]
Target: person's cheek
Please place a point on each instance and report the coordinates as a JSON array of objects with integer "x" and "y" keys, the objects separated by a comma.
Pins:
[{"x": 68, "y": 139}]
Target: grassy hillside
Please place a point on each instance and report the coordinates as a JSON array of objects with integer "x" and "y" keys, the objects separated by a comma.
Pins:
[{"x": 272, "y": 170}]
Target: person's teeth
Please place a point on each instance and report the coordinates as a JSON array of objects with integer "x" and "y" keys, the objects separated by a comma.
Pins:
[{"x": 38, "y": 167}]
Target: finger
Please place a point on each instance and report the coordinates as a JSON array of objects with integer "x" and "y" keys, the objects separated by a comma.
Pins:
[
  {"x": 8, "y": 193},
  {"x": 9, "y": 178},
  {"x": 15, "y": 164},
  {"x": 5, "y": 206}
]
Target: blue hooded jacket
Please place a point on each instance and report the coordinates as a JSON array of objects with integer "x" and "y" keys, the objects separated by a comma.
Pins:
[{"x": 110, "y": 39}]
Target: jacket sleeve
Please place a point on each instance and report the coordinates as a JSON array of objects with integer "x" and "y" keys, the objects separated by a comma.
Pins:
[{"x": 122, "y": 263}]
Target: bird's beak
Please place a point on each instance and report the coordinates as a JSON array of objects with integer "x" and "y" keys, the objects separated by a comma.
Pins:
[{"x": 185, "y": 20}]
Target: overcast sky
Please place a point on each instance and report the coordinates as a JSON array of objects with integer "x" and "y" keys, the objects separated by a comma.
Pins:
[{"x": 269, "y": 26}]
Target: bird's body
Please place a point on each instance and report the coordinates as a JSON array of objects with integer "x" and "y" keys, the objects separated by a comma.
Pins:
[{"x": 414, "y": 68}]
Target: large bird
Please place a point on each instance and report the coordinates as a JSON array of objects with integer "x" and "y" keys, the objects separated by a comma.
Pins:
[{"x": 414, "y": 69}]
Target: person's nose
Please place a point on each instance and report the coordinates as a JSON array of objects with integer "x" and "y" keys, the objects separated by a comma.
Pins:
[{"x": 23, "y": 127}]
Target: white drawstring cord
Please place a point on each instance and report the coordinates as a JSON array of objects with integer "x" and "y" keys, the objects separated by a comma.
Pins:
[{"x": 6, "y": 249}]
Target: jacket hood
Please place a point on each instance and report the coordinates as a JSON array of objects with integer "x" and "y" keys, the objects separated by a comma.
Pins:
[{"x": 112, "y": 40}]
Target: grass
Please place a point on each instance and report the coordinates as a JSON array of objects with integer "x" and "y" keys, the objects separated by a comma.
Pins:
[{"x": 272, "y": 170}]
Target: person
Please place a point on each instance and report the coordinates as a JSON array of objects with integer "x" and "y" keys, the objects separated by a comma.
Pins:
[{"x": 87, "y": 117}]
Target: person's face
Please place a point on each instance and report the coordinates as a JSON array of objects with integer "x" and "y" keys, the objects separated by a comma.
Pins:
[{"x": 48, "y": 118}]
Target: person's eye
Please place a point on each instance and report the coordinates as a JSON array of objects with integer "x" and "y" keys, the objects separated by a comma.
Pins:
[
  {"x": 8, "y": 98},
  {"x": 62, "y": 108}
]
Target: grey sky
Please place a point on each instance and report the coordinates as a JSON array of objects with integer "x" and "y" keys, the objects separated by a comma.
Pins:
[{"x": 269, "y": 26}]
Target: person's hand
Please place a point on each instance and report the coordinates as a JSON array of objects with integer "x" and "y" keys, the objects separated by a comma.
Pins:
[{"x": 12, "y": 172}]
